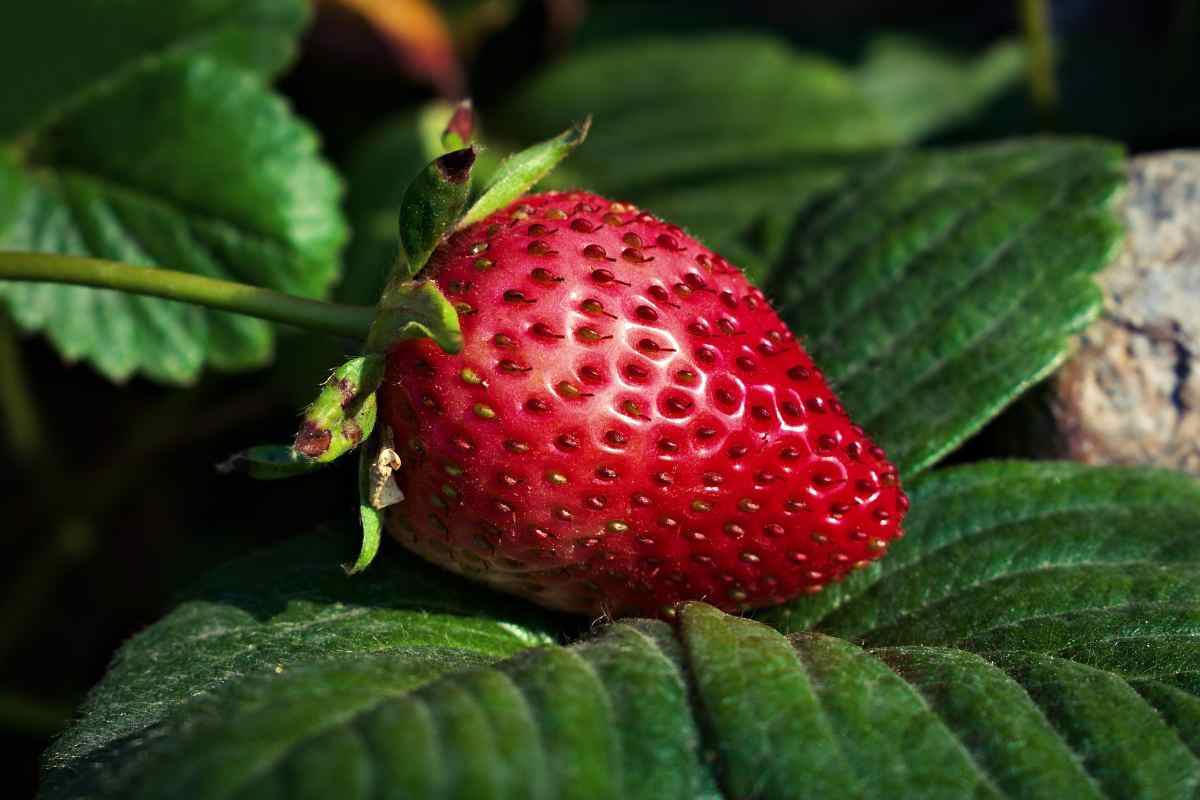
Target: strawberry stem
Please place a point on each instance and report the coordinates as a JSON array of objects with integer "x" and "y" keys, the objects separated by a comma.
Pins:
[{"x": 240, "y": 298}]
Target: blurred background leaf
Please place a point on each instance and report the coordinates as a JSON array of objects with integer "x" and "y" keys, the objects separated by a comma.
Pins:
[
  {"x": 56, "y": 55},
  {"x": 924, "y": 90},
  {"x": 160, "y": 169},
  {"x": 730, "y": 151}
]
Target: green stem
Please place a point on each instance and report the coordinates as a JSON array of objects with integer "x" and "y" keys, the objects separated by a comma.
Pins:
[
  {"x": 1039, "y": 38},
  {"x": 240, "y": 298}
]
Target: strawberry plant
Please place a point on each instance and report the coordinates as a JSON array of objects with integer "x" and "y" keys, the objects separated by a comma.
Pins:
[{"x": 656, "y": 412}]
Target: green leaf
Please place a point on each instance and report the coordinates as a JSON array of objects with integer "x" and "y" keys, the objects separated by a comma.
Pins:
[
  {"x": 1072, "y": 595},
  {"x": 57, "y": 56},
  {"x": 954, "y": 668},
  {"x": 259, "y": 619},
  {"x": 518, "y": 173},
  {"x": 759, "y": 700},
  {"x": 189, "y": 164},
  {"x": 923, "y": 89},
  {"x": 934, "y": 288},
  {"x": 1003, "y": 529}
]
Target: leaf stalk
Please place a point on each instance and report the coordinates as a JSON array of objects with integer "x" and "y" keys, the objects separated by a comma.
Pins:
[{"x": 240, "y": 298}]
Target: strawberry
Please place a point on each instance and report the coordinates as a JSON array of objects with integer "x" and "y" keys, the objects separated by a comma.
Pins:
[{"x": 629, "y": 424}]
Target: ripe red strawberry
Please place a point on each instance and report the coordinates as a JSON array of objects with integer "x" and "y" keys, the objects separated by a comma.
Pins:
[{"x": 628, "y": 425}]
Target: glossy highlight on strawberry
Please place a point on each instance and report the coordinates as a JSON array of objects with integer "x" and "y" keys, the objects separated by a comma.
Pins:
[{"x": 628, "y": 425}]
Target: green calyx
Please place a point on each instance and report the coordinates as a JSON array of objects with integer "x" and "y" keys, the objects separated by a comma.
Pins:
[
  {"x": 343, "y": 415},
  {"x": 411, "y": 306},
  {"x": 268, "y": 462},
  {"x": 518, "y": 173},
  {"x": 432, "y": 209},
  {"x": 414, "y": 310},
  {"x": 432, "y": 205},
  {"x": 338, "y": 420}
]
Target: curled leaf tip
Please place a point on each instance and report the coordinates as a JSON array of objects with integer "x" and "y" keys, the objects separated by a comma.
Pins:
[
  {"x": 456, "y": 166},
  {"x": 377, "y": 462}
]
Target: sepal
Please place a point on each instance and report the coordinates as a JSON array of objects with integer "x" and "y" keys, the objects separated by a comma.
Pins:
[
  {"x": 343, "y": 415},
  {"x": 432, "y": 205},
  {"x": 517, "y": 174},
  {"x": 268, "y": 462},
  {"x": 377, "y": 462},
  {"x": 415, "y": 310}
]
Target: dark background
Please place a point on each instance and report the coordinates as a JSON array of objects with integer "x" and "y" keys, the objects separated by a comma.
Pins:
[{"x": 122, "y": 506}]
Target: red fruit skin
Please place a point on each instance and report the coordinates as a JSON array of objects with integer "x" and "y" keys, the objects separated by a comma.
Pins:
[{"x": 628, "y": 425}]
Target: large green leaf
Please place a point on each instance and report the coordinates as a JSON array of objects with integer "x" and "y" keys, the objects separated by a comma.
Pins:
[
  {"x": 1031, "y": 636},
  {"x": 187, "y": 163},
  {"x": 265, "y": 616},
  {"x": 54, "y": 56},
  {"x": 1001, "y": 549},
  {"x": 933, "y": 288}
]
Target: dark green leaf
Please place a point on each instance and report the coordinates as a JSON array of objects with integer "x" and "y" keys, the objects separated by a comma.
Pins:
[
  {"x": 56, "y": 56},
  {"x": 760, "y": 704},
  {"x": 884, "y": 728},
  {"x": 1121, "y": 740},
  {"x": 1077, "y": 587},
  {"x": 190, "y": 164},
  {"x": 934, "y": 288},
  {"x": 1084, "y": 686},
  {"x": 1006, "y": 733},
  {"x": 989, "y": 529},
  {"x": 290, "y": 607}
]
